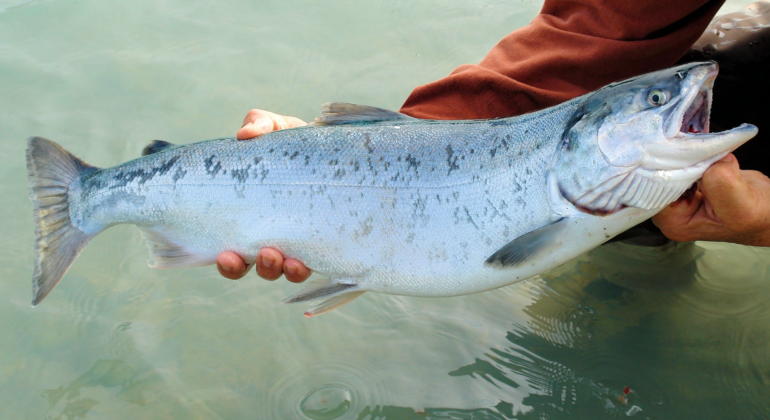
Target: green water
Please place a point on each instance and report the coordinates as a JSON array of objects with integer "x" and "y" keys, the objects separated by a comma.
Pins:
[{"x": 686, "y": 328}]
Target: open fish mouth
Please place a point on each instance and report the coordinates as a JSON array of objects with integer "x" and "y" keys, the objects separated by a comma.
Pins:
[
  {"x": 696, "y": 118},
  {"x": 691, "y": 142}
]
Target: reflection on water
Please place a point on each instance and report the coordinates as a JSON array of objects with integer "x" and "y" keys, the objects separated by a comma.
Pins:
[
  {"x": 105, "y": 373},
  {"x": 689, "y": 343},
  {"x": 685, "y": 328}
]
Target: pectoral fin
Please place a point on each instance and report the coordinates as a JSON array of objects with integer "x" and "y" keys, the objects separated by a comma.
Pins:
[{"x": 528, "y": 246}]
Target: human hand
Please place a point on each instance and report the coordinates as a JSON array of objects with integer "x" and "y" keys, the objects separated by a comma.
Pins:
[
  {"x": 270, "y": 262},
  {"x": 731, "y": 205}
]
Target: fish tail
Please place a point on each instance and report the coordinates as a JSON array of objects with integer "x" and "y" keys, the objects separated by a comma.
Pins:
[{"x": 52, "y": 170}]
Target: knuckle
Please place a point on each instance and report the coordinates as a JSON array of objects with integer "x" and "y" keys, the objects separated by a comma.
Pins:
[{"x": 254, "y": 113}]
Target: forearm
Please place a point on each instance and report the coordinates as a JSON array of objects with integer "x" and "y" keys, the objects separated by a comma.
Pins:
[{"x": 569, "y": 49}]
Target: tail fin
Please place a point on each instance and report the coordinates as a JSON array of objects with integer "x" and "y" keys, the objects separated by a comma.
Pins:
[{"x": 51, "y": 171}]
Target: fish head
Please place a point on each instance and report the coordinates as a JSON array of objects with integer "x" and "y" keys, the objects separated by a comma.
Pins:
[{"x": 642, "y": 142}]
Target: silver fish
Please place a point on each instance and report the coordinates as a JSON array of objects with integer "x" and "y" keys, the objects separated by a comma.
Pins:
[{"x": 377, "y": 201}]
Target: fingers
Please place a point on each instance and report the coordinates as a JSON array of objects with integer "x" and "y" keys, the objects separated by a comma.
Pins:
[
  {"x": 258, "y": 122},
  {"x": 295, "y": 271},
  {"x": 676, "y": 220},
  {"x": 271, "y": 264},
  {"x": 231, "y": 265}
]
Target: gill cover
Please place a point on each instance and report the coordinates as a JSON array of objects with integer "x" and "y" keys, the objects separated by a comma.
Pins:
[{"x": 642, "y": 142}]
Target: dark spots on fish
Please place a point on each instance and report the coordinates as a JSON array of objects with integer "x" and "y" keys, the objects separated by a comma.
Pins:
[
  {"x": 339, "y": 173},
  {"x": 307, "y": 160},
  {"x": 333, "y": 162},
  {"x": 399, "y": 159},
  {"x": 496, "y": 212},
  {"x": 271, "y": 150},
  {"x": 285, "y": 153},
  {"x": 240, "y": 175},
  {"x": 212, "y": 168},
  {"x": 180, "y": 173},
  {"x": 387, "y": 165},
  {"x": 517, "y": 187},
  {"x": 469, "y": 219},
  {"x": 293, "y": 155},
  {"x": 395, "y": 177},
  {"x": 356, "y": 167},
  {"x": 264, "y": 175},
  {"x": 257, "y": 159},
  {"x": 410, "y": 238},
  {"x": 123, "y": 178},
  {"x": 366, "y": 227},
  {"x": 336, "y": 150},
  {"x": 368, "y": 143},
  {"x": 451, "y": 159}
]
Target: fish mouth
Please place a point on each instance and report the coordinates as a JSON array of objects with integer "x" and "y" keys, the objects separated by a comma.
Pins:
[
  {"x": 687, "y": 127},
  {"x": 695, "y": 119}
]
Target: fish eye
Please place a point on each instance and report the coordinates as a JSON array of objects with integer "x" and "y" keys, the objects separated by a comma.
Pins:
[{"x": 657, "y": 97}]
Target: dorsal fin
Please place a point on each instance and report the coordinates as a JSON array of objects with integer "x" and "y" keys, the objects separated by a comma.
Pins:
[
  {"x": 337, "y": 113},
  {"x": 155, "y": 146}
]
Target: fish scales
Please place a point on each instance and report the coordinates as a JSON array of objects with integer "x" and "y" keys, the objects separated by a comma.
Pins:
[
  {"x": 392, "y": 205},
  {"x": 377, "y": 201}
]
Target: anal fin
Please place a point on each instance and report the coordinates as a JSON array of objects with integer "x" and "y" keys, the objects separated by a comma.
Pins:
[{"x": 165, "y": 253}]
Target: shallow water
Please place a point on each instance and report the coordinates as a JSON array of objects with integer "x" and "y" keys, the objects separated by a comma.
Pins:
[{"x": 685, "y": 328}]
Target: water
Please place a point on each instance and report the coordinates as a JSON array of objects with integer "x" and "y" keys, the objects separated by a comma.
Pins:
[{"x": 685, "y": 328}]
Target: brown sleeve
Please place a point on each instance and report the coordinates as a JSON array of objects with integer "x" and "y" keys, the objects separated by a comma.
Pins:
[{"x": 569, "y": 49}]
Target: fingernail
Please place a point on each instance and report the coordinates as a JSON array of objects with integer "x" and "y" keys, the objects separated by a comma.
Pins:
[
  {"x": 226, "y": 268},
  {"x": 268, "y": 261},
  {"x": 246, "y": 268},
  {"x": 728, "y": 158}
]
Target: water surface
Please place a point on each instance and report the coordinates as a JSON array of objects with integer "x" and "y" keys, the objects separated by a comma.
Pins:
[{"x": 685, "y": 328}]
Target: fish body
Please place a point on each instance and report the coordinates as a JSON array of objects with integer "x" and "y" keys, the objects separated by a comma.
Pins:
[{"x": 377, "y": 201}]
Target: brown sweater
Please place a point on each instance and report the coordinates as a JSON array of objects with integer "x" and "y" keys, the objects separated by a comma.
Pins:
[{"x": 569, "y": 49}]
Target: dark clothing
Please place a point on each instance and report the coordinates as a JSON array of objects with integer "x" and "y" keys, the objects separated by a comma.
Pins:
[{"x": 569, "y": 49}]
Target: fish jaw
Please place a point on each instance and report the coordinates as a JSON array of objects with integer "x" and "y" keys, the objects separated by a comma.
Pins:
[{"x": 643, "y": 142}]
